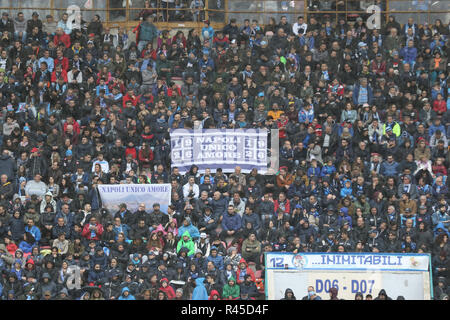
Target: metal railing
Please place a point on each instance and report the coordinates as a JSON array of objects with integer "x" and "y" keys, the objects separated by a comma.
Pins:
[{"x": 131, "y": 15}]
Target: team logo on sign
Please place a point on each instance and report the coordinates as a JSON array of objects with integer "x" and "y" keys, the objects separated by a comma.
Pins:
[{"x": 299, "y": 261}]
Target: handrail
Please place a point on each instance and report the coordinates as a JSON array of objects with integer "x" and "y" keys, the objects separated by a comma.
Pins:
[{"x": 230, "y": 11}]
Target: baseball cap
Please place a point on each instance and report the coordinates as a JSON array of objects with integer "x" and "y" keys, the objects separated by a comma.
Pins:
[{"x": 34, "y": 150}]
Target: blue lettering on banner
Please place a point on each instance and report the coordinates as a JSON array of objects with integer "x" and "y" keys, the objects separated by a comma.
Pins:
[
  {"x": 350, "y": 261},
  {"x": 368, "y": 260},
  {"x": 329, "y": 260},
  {"x": 376, "y": 260},
  {"x": 389, "y": 261},
  {"x": 345, "y": 259},
  {"x": 361, "y": 259}
]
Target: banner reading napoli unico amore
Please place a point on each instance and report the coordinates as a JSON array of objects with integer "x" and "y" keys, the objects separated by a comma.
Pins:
[
  {"x": 219, "y": 148},
  {"x": 132, "y": 194}
]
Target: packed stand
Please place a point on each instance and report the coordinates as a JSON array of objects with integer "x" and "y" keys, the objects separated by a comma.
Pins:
[{"x": 363, "y": 119}]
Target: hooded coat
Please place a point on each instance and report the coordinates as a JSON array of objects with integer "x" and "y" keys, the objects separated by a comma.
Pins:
[
  {"x": 193, "y": 231},
  {"x": 129, "y": 297},
  {"x": 199, "y": 292},
  {"x": 168, "y": 290},
  {"x": 242, "y": 272},
  {"x": 190, "y": 245},
  {"x": 334, "y": 293},
  {"x": 440, "y": 228},
  {"x": 49, "y": 286},
  {"x": 382, "y": 292},
  {"x": 289, "y": 290},
  {"x": 231, "y": 290},
  {"x": 214, "y": 293}
]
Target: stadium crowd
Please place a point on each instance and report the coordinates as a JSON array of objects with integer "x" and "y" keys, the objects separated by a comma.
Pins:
[{"x": 363, "y": 119}]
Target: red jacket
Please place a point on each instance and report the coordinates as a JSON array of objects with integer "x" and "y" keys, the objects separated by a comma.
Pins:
[
  {"x": 287, "y": 206},
  {"x": 168, "y": 290},
  {"x": 131, "y": 151},
  {"x": 64, "y": 38},
  {"x": 63, "y": 74},
  {"x": 247, "y": 271},
  {"x": 214, "y": 293},
  {"x": 76, "y": 127},
  {"x": 87, "y": 233},
  {"x": 134, "y": 100},
  {"x": 64, "y": 62},
  {"x": 142, "y": 158},
  {"x": 440, "y": 106},
  {"x": 282, "y": 130}
]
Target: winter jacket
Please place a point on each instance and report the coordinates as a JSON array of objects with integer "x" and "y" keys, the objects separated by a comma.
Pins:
[
  {"x": 129, "y": 297},
  {"x": 199, "y": 292},
  {"x": 231, "y": 222},
  {"x": 147, "y": 31},
  {"x": 5, "y": 255},
  {"x": 232, "y": 291},
  {"x": 7, "y": 166},
  {"x": 250, "y": 247},
  {"x": 241, "y": 273},
  {"x": 253, "y": 219},
  {"x": 168, "y": 290},
  {"x": 217, "y": 260},
  {"x": 186, "y": 244},
  {"x": 191, "y": 229}
]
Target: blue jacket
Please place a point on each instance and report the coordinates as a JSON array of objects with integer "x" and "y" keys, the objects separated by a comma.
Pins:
[
  {"x": 389, "y": 169},
  {"x": 26, "y": 247},
  {"x": 96, "y": 276},
  {"x": 231, "y": 222},
  {"x": 440, "y": 225},
  {"x": 193, "y": 231},
  {"x": 409, "y": 54},
  {"x": 123, "y": 228},
  {"x": 129, "y": 297},
  {"x": 17, "y": 228},
  {"x": 35, "y": 232},
  {"x": 437, "y": 219},
  {"x": 217, "y": 260},
  {"x": 200, "y": 292},
  {"x": 304, "y": 115},
  {"x": 147, "y": 31},
  {"x": 356, "y": 94},
  {"x": 219, "y": 207},
  {"x": 101, "y": 260},
  {"x": 313, "y": 172},
  {"x": 253, "y": 218}
]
